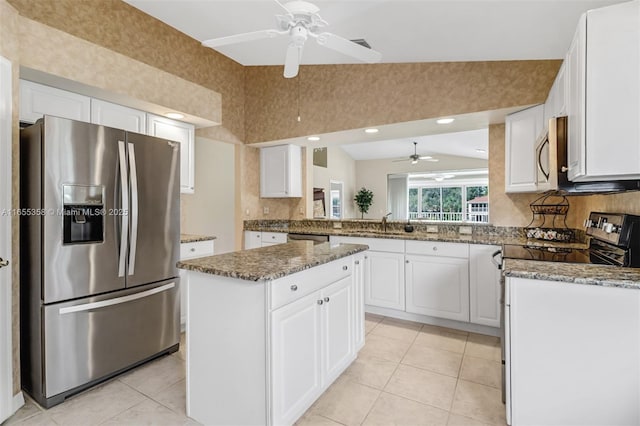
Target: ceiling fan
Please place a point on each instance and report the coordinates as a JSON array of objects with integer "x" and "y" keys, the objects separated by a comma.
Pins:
[
  {"x": 414, "y": 158},
  {"x": 300, "y": 22}
]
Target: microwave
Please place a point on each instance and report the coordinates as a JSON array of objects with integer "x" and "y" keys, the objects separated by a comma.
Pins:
[{"x": 551, "y": 165}]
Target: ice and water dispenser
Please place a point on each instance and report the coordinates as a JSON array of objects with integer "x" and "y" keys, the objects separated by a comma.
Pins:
[{"x": 83, "y": 213}]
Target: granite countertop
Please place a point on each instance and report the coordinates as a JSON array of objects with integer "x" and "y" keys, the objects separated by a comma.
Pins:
[
  {"x": 193, "y": 238},
  {"x": 426, "y": 236},
  {"x": 577, "y": 273},
  {"x": 269, "y": 263}
]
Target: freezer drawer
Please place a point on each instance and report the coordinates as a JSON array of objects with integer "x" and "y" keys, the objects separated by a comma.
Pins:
[{"x": 91, "y": 338}]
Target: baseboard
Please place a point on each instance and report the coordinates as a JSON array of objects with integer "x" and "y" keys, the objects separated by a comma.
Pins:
[
  {"x": 18, "y": 401},
  {"x": 458, "y": 325}
]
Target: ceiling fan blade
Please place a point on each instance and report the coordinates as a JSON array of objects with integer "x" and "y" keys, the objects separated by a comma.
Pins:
[
  {"x": 398, "y": 161},
  {"x": 241, "y": 38},
  {"x": 292, "y": 60},
  {"x": 425, "y": 157},
  {"x": 348, "y": 47}
]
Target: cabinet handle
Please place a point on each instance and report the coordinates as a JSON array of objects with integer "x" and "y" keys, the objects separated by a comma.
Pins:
[
  {"x": 345, "y": 267},
  {"x": 326, "y": 299},
  {"x": 320, "y": 302},
  {"x": 294, "y": 287},
  {"x": 357, "y": 262}
]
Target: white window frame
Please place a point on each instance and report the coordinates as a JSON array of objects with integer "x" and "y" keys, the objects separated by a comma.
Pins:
[{"x": 419, "y": 184}]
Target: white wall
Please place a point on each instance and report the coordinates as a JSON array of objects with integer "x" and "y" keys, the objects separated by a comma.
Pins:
[
  {"x": 340, "y": 167},
  {"x": 210, "y": 210},
  {"x": 372, "y": 174}
]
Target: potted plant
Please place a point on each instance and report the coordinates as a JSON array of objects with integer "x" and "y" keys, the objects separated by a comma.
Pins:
[{"x": 363, "y": 199}]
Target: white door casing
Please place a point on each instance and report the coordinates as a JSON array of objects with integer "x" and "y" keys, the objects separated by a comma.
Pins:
[{"x": 6, "y": 367}]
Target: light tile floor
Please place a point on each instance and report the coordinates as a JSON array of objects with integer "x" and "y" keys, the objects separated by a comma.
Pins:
[{"x": 407, "y": 374}]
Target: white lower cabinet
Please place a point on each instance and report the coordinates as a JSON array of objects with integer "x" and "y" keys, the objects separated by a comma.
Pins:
[
  {"x": 191, "y": 251},
  {"x": 572, "y": 353},
  {"x": 484, "y": 286},
  {"x": 360, "y": 261},
  {"x": 255, "y": 239},
  {"x": 438, "y": 286},
  {"x": 384, "y": 280}
]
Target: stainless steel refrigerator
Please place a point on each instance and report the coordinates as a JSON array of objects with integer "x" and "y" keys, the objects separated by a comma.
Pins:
[{"x": 100, "y": 226}]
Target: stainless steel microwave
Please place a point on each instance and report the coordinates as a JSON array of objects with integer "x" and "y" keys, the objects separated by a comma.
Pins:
[{"x": 551, "y": 165}]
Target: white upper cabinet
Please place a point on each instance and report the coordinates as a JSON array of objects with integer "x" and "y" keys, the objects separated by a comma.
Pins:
[
  {"x": 556, "y": 104},
  {"x": 118, "y": 116},
  {"x": 281, "y": 171},
  {"x": 184, "y": 133},
  {"x": 37, "y": 100},
  {"x": 522, "y": 129},
  {"x": 604, "y": 95}
]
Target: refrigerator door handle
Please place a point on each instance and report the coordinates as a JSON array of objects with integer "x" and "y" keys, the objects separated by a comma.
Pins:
[
  {"x": 124, "y": 190},
  {"x": 134, "y": 209},
  {"x": 116, "y": 301}
]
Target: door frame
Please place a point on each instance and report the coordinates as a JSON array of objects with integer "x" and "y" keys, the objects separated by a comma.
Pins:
[{"x": 8, "y": 403}]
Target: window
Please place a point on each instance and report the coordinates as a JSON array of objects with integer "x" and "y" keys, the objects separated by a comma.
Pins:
[{"x": 449, "y": 203}]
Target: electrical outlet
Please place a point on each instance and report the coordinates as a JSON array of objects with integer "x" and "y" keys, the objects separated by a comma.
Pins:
[
  {"x": 265, "y": 210},
  {"x": 432, "y": 228},
  {"x": 465, "y": 230},
  {"x": 246, "y": 212},
  {"x": 301, "y": 210},
  {"x": 337, "y": 225}
]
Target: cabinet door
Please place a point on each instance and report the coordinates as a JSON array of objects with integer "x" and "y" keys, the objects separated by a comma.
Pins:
[
  {"x": 337, "y": 319},
  {"x": 118, "y": 116},
  {"x": 37, "y": 100},
  {"x": 384, "y": 280},
  {"x": 184, "y": 133},
  {"x": 252, "y": 239},
  {"x": 522, "y": 129},
  {"x": 280, "y": 171},
  {"x": 574, "y": 353},
  {"x": 575, "y": 63},
  {"x": 358, "y": 300},
  {"x": 612, "y": 115},
  {"x": 438, "y": 286},
  {"x": 484, "y": 286},
  {"x": 295, "y": 358}
]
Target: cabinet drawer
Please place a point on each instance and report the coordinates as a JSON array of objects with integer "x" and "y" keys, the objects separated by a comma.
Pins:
[
  {"x": 434, "y": 248},
  {"x": 375, "y": 244},
  {"x": 197, "y": 249},
  {"x": 274, "y": 237},
  {"x": 292, "y": 287}
]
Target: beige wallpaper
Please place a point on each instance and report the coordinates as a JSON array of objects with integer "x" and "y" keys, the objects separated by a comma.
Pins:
[
  {"x": 342, "y": 97},
  {"x": 123, "y": 29}
]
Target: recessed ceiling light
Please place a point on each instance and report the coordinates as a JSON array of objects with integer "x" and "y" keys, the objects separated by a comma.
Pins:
[
  {"x": 480, "y": 150},
  {"x": 371, "y": 130},
  {"x": 445, "y": 120},
  {"x": 313, "y": 138},
  {"x": 175, "y": 115}
]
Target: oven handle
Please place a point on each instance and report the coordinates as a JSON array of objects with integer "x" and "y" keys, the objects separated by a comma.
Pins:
[{"x": 493, "y": 259}]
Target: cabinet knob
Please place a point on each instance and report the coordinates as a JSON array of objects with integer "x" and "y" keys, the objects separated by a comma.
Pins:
[
  {"x": 406, "y": 261},
  {"x": 320, "y": 302},
  {"x": 273, "y": 237},
  {"x": 345, "y": 267},
  {"x": 564, "y": 169},
  {"x": 294, "y": 287},
  {"x": 193, "y": 249},
  {"x": 326, "y": 299},
  {"x": 435, "y": 249},
  {"x": 357, "y": 262},
  {"x": 366, "y": 257}
]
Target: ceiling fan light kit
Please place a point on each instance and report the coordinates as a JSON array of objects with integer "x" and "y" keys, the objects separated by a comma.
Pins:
[{"x": 301, "y": 22}]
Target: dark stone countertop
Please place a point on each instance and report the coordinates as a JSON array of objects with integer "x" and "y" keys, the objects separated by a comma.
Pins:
[
  {"x": 193, "y": 238},
  {"x": 269, "y": 263}
]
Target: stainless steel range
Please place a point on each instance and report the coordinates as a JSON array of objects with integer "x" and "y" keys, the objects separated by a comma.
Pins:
[{"x": 100, "y": 224}]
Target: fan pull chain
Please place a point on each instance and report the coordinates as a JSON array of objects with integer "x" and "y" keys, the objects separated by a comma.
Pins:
[{"x": 298, "y": 100}]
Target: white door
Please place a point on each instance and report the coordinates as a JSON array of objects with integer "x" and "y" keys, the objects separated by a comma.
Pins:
[
  {"x": 295, "y": 364},
  {"x": 6, "y": 372},
  {"x": 384, "y": 280},
  {"x": 484, "y": 286},
  {"x": 274, "y": 168},
  {"x": 438, "y": 287},
  {"x": 522, "y": 130},
  {"x": 337, "y": 342}
]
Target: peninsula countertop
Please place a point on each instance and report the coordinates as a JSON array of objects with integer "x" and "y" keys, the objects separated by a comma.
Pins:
[
  {"x": 193, "y": 238},
  {"x": 576, "y": 273},
  {"x": 269, "y": 263}
]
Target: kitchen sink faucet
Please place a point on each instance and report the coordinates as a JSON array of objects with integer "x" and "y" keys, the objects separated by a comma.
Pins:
[{"x": 384, "y": 222}]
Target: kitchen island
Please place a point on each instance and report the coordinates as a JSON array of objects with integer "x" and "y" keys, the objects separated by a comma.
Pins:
[{"x": 270, "y": 329}]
